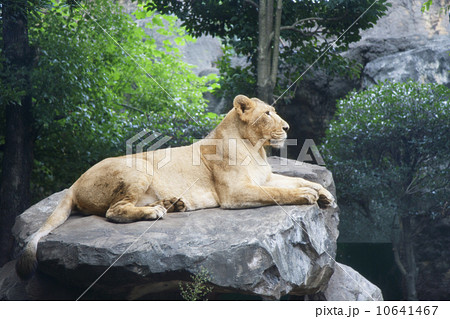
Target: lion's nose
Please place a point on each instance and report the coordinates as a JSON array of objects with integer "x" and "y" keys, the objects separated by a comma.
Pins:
[{"x": 286, "y": 127}]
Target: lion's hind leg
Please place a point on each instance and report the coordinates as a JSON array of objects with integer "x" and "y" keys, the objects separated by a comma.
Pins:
[{"x": 172, "y": 204}]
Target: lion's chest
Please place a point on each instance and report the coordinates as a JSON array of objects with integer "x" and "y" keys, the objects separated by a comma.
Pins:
[{"x": 259, "y": 174}]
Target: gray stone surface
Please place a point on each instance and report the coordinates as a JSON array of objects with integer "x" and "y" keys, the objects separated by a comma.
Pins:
[
  {"x": 269, "y": 251},
  {"x": 430, "y": 63},
  {"x": 405, "y": 18},
  {"x": 346, "y": 284}
]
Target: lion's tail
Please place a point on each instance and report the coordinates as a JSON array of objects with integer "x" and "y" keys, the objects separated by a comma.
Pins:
[{"x": 27, "y": 262}]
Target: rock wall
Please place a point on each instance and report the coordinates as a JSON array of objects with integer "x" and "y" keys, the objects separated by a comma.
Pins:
[
  {"x": 405, "y": 18},
  {"x": 428, "y": 63}
]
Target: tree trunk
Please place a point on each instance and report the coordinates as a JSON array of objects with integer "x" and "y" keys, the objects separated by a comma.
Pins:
[
  {"x": 268, "y": 48},
  {"x": 276, "y": 47},
  {"x": 410, "y": 259},
  {"x": 263, "y": 58},
  {"x": 18, "y": 151},
  {"x": 404, "y": 256}
]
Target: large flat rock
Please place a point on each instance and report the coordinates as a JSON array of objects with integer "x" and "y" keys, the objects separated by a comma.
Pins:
[{"x": 267, "y": 251}]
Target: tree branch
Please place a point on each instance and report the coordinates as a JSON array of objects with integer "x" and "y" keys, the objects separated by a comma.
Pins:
[
  {"x": 299, "y": 31},
  {"x": 297, "y": 22},
  {"x": 294, "y": 26}
]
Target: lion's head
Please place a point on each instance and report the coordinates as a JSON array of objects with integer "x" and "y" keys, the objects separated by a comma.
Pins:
[{"x": 260, "y": 121}]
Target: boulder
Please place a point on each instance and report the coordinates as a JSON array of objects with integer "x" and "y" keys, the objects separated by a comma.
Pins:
[
  {"x": 346, "y": 284},
  {"x": 39, "y": 287},
  {"x": 429, "y": 63},
  {"x": 269, "y": 251}
]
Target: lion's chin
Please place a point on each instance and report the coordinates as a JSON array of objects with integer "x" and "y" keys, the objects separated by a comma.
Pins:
[{"x": 277, "y": 143}]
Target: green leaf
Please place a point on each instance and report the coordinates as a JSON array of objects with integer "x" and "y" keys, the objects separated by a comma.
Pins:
[
  {"x": 157, "y": 21},
  {"x": 179, "y": 41}
]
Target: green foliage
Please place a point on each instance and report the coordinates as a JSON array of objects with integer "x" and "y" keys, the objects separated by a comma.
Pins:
[
  {"x": 199, "y": 288},
  {"x": 304, "y": 39},
  {"x": 389, "y": 150},
  {"x": 427, "y": 4},
  {"x": 98, "y": 79}
]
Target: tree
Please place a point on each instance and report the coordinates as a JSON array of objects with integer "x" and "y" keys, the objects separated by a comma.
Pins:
[
  {"x": 17, "y": 62},
  {"x": 389, "y": 150},
  {"x": 286, "y": 35},
  {"x": 87, "y": 96}
]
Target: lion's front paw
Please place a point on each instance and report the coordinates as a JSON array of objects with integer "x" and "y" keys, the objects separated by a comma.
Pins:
[
  {"x": 326, "y": 199},
  {"x": 154, "y": 212},
  {"x": 308, "y": 196},
  {"x": 174, "y": 204},
  {"x": 180, "y": 205},
  {"x": 160, "y": 211}
]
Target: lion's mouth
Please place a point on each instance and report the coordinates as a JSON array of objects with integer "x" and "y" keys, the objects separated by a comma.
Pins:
[
  {"x": 279, "y": 136},
  {"x": 277, "y": 143},
  {"x": 278, "y": 139}
]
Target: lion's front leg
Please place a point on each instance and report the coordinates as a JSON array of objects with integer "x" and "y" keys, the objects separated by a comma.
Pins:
[
  {"x": 325, "y": 197},
  {"x": 171, "y": 205},
  {"x": 251, "y": 195}
]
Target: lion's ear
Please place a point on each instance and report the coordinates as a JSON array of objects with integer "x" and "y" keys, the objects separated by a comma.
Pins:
[{"x": 243, "y": 105}]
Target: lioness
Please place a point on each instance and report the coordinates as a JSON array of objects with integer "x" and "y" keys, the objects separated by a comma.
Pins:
[{"x": 227, "y": 169}]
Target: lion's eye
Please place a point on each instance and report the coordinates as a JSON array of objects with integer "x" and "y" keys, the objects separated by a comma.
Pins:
[{"x": 268, "y": 113}]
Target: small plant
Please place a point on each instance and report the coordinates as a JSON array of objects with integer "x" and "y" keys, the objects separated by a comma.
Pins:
[{"x": 199, "y": 288}]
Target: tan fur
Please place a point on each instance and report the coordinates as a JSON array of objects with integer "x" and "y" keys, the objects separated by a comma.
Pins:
[{"x": 227, "y": 169}]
